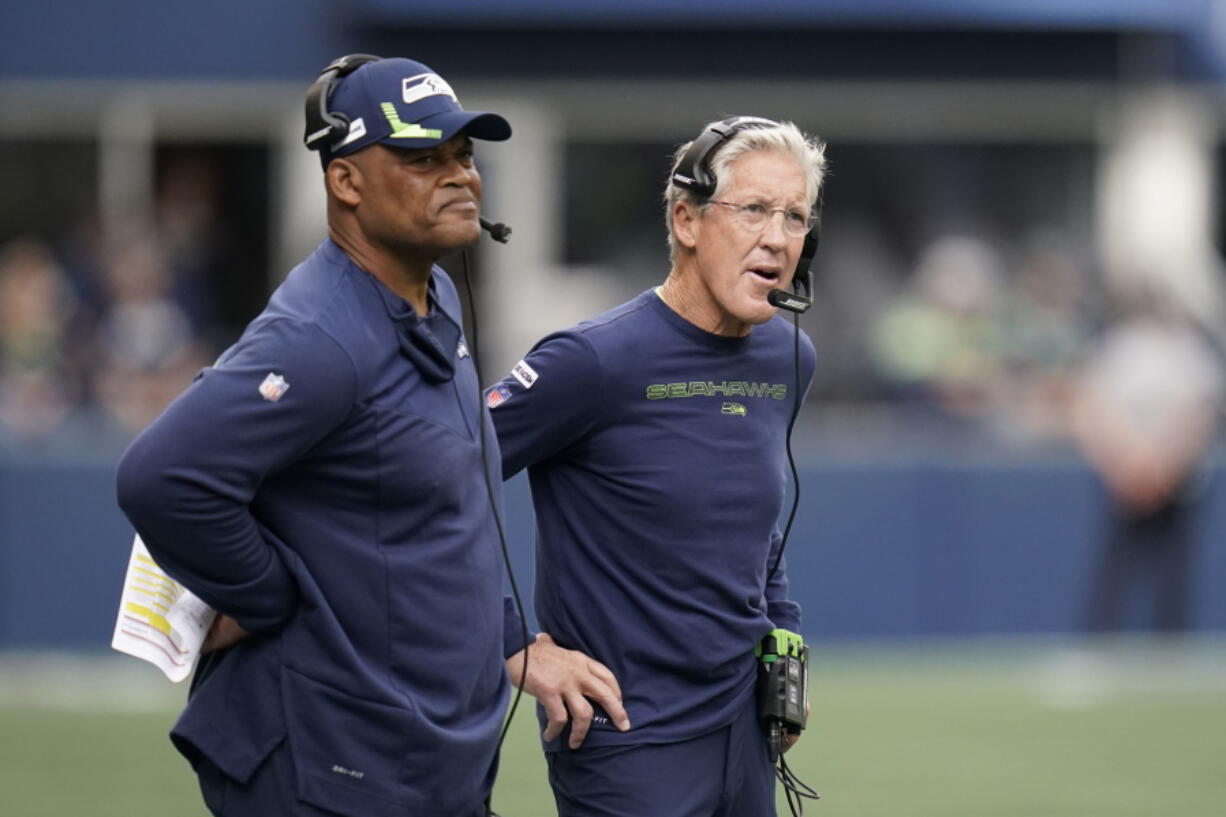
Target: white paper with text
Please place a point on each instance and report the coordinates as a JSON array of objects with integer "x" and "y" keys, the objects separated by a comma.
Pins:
[{"x": 159, "y": 620}]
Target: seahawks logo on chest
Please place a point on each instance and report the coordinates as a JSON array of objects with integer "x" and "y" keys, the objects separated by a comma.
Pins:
[
  {"x": 710, "y": 388},
  {"x": 743, "y": 389}
]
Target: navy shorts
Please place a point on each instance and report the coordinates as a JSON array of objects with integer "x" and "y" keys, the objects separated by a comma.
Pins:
[{"x": 726, "y": 773}]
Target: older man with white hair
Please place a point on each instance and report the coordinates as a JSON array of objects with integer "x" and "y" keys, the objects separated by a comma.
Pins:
[{"x": 654, "y": 437}]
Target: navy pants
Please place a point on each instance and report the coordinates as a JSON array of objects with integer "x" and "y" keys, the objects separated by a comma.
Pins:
[
  {"x": 1154, "y": 550},
  {"x": 726, "y": 773},
  {"x": 271, "y": 791}
]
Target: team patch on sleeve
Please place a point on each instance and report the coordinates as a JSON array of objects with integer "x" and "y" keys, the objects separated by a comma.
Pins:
[
  {"x": 497, "y": 396},
  {"x": 525, "y": 374},
  {"x": 274, "y": 387}
]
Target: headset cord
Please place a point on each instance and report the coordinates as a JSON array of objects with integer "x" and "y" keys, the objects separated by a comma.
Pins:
[
  {"x": 794, "y": 789},
  {"x": 489, "y": 490},
  {"x": 783, "y": 542}
]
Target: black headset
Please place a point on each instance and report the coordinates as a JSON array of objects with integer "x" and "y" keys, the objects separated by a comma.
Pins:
[
  {"x": 693, "y": 173},
  {"x": 323, "y": 127}
]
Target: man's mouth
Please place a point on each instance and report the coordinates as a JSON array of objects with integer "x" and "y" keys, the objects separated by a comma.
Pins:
[{"x": 766, "y": 274}]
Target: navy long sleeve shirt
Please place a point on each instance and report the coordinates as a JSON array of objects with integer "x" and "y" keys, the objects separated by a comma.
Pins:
[
  {"x": 317, "y": 487},
  {"x": 657, "y": 461}
]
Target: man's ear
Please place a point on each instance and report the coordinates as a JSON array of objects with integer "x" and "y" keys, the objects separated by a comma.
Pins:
[
  {"x": 344, "y": 180},
  {"x": 686, "y": 224}
]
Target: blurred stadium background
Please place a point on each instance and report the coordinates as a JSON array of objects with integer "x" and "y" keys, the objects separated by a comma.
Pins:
[{"x": 1003, "y": 177}]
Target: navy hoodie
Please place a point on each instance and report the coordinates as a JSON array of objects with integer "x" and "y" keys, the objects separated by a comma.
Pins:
[{"x": 323, "y": 484}]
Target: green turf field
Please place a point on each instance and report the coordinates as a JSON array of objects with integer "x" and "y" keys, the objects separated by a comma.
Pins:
[{"x": 955, "y": 730}]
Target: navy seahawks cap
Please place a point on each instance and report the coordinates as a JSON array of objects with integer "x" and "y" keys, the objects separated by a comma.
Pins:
[{"x": 402, "y": 103}]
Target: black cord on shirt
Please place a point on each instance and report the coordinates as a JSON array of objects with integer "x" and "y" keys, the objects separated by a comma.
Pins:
[
  {"x": 794, "y": 789},
  {"x": 489, "y": 490},
  {"x": 791, "y": 460}
]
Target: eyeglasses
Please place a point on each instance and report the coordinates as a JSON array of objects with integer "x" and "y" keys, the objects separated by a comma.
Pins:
[{"x": 754, "y": 216}]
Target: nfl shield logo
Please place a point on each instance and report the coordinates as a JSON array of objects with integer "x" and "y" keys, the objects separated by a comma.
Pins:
[
  {"x": 497, "y": 396},
  {"x": 274, "y": 387}
]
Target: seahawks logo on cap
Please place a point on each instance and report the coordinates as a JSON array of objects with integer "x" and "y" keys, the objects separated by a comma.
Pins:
[{"x": 424, "y": 85}]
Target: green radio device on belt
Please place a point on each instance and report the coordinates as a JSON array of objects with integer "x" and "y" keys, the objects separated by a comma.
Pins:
[
  {"x": 783, "y": 679},
  {"x": 783, "y": 691}
]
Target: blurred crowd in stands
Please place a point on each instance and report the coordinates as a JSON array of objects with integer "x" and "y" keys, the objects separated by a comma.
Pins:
[
  {"x": 101, "y": 328},
  {"x": 976, "y": 342},
  {"x": 997, "y": 347},
  {"x": 971, "y": 341}
]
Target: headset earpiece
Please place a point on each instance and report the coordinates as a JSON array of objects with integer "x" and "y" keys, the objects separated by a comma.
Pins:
[
  {"x": 813, "y": 239},
  {"x": 693, "y": 171},
  {"x": 803, "y": 277},
  {"x": 324, "y": 127}
]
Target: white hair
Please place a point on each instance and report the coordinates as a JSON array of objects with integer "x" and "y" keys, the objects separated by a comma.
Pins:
[{"x": 783, "y": 138}]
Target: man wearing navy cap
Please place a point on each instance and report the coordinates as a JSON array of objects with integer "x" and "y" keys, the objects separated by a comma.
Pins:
[{"x": 323, "y": 486}]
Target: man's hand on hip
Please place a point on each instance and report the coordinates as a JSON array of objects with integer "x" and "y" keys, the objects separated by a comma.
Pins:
[
  {"x": 563, "y": 680},
  {"x": 225, "y": 632}
]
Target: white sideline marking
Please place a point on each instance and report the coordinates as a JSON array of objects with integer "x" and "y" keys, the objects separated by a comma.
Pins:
[{"x": 77, "y": 682}]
